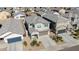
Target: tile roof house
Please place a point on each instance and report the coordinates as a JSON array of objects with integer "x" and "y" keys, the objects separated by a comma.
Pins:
[{"x": 37, "y": 25}]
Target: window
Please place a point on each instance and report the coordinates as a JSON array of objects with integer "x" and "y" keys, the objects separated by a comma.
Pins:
[
  {"x": 75, "y": 26},
  {"x": 46, "y": 25},
  {"x": 66, "y": 12},
  {"x": 55, "y": 10},
  {"x": 72, "y": 19},
  {"x": 61, "y": 31},
  {"x": 35, "y": 36},
  {"x": 0, "y": 25},
  {"x": 39, "y": 26},
  {"x": 32, "y": 25},
  {"x": 68, "y": 8}
]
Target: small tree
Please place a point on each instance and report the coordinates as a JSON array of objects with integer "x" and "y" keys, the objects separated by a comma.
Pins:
[
  {"x": 25, "y": 43},
  {"x": 34, "y": 42},
  {"x": 37, "y": 44}
]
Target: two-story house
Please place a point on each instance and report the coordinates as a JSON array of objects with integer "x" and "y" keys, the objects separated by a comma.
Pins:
[
  {"x": 37, "y": 26},
  {"x": 58, "y": 24}
]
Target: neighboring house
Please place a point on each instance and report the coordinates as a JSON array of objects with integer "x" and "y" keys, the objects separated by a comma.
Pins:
[
  {"x": 11, "y": 31},
  {"x": 18, "y": 9},
  {"x": 14, "y": 42},
  {"x": 58, "y": 24},
  {"x": 55, "y": 9},
  {"x": 11, "y": 42},
  {"x": 75, "y": 18},
  {"x": 67, "y": 12},
  {"x": 20, "y": 15},
  {"x": 37, "y": 26},
  {"x": 31, "y": 9},
  {"x": 37, "y": 9},
  {"x": 12, "y": 25},
  {"x": 71, "y": 14},
  {"x": 8, "y": 9}
]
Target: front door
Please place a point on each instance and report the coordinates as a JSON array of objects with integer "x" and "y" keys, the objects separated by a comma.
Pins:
[{"x": 35, "y": 36}]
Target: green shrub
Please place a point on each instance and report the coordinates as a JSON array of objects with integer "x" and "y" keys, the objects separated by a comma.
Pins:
[
  {"x": 58, "y": 38},
  {"x": 34, "y": 42},
  {"x": 37, "y": 44},
  {"x": 25, "y": 43},
  {"x": 75, "y": 34}
]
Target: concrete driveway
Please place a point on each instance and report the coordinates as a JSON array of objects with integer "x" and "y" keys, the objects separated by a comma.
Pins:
[
  {"x": 47, "y": 41},
  {"x": 69, "y": 39},
  {"x": 73, "y": 48}
]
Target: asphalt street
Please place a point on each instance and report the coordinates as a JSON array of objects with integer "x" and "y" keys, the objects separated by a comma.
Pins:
[{"x": 74, "y": 48}]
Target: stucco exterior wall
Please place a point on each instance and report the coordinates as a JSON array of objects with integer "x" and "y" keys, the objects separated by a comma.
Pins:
[
  {"x": 62, "y": 25},
  {"x": 41, "y": 27}
]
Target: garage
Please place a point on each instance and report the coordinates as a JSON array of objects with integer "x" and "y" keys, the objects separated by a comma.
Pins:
[{"x": 61, "y": 31}]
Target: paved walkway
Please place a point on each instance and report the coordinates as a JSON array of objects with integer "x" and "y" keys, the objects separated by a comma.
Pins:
[{"x": 68, "y": 39}]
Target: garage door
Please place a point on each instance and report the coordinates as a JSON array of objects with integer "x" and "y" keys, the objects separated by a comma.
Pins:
[{"x": 61, "y": 31}]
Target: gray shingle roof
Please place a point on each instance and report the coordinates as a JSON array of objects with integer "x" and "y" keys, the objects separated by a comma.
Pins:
[
  {"x": 41, "y": 13},
  {"x": 54, "y": 17},
  {"x": 12, "y": 25},
  {"x": 16, "y": 26},
  {"x": 35, "y": 19},
  {"x": 19, "y": 13},
  {"x": 51, "y": 17},
  {"x": 5, "y": 26}
]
